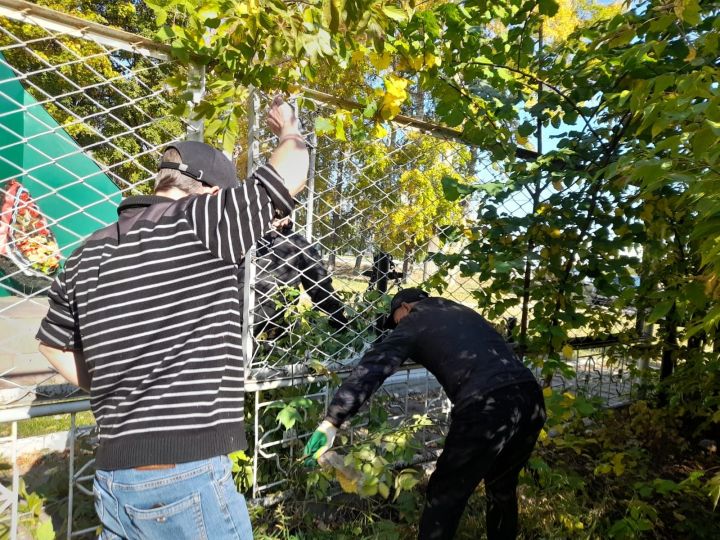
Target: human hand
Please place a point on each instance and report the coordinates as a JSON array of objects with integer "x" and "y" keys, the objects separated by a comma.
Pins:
[
  {"x": 319, "y": 443},
  {"x": 281, "y": 118}
]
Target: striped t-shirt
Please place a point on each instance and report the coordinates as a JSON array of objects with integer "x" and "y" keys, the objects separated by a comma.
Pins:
[{"x": 152, "y": 303}]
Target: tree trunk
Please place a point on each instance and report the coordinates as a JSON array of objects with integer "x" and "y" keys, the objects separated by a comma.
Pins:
[
  {"x": 358, "y": 264},
  {"x": 669, "y": 345},
  {"x": 407, "y": 263},
  {"x": 669, "y": 350},
  {"x": 335, "y": 244}
]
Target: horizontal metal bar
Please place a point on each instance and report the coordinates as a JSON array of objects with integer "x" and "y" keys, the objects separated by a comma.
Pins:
[
  {"x": 56, "y": 21},
  {"x": 33, "y": 411},
  {"x": 403, "y": 120}
]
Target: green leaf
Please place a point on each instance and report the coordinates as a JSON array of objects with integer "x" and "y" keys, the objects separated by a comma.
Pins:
[
  {"x": 714, "y": 490},
  {"x": 702, "y": 140},
  {"x": 166, "y": 33},
  {"x": 664, "y": 486},
  {"x": 660, "y": 310},
  {"x": 454, "y": 190},
  {"x": 208, "y": 11},
  {"x": 491, "y": 188},
  {"x": 688, "y": 11},
  {"x": 548, "y": 7},
  {"x": 370, "y": 109},
  {"x": 395, "y": 13},
  {"x": 324, "y": 125},
  {"x": 526, "y": 129},
  {"x": 288, "y": 416}
]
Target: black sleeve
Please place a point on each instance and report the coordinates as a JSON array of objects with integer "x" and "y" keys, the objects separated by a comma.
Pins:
[
  {"x": 60, "y": 328},
  {"x": 230, "y": 222},
  {"x": 378, "y": 364},
  {"x": 317, "y": 283}
]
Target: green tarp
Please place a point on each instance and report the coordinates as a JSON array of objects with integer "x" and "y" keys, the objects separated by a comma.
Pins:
[{"x": 67, "y": 185}]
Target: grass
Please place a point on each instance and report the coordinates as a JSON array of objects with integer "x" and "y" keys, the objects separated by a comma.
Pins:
[{"x": 47, "y": 424}]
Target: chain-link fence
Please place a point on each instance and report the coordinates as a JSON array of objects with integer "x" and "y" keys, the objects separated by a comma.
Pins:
[{"x": 84, "y": 113}]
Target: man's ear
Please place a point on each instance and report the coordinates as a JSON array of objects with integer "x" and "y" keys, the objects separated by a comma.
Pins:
[{"x": 214, "y": 190}]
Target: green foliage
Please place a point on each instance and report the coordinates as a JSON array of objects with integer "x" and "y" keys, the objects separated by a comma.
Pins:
[
  {"x": 268, "y": 44},
  {"x": 368, "y": 469},
  {"x": 242, "y": 471}
]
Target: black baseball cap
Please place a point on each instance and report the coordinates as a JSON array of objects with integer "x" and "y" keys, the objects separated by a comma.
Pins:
[
  {"x": 203, "y": 163},
  {"x": 412, "y": 294}
]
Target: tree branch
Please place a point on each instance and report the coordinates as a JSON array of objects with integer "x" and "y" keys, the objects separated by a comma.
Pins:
[{"x": 554, "y": 88}]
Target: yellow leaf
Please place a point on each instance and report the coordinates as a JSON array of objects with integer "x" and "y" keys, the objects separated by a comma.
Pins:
[
  {"x": 380, "y": 61},
  {"x": 567, "y": 351},
  {"x": 395, "y": 95},
  {"x": 379, "y": 131},
  {"x": 415, "y": 62},
  {"x": 431, "y": 60},
  {"x": 618, "y": 465},
  {"x": 555, "y": 233},
  {"x": 547, "y": 392},
  {"x": 357, "y": 56},
  {"x": 692, "y": 53},
  {"x": 348, "y": 485},
  {"x": 558, "y": 185},
  {"x": 396, "y": 86},
  {"x": 522, "y": 141}
]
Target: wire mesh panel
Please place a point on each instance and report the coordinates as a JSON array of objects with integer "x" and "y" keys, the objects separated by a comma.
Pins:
[
  {"x": 371, "y": 220},
  {"x": 81, "y": 125}
]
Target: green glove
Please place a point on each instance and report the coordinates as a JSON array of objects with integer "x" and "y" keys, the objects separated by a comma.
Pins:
[{"x": 319, "y": 443}]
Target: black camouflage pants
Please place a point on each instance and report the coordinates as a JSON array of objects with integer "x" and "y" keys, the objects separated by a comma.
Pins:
[{"x": 490, "y": 440}]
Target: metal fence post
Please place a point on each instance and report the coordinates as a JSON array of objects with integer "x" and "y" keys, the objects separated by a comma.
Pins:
[
  {"x": 71, "y": 475},
  {"x": 253, "y": 151},
  {"x": 15, "y": 484},
  {"x": 196, "y": 85},
  {"x": 310, "y": 203}
]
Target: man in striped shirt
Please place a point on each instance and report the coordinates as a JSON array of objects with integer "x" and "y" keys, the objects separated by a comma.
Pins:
[{"x": 145, "y": 315}]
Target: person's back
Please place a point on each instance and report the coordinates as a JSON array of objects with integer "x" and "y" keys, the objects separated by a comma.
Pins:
[
  {"x": 497, "y": 414},
  {"x": 285, "y": 259},
  {"x": 161, "y": 332},
  {"x": 145, "y": 315},
  {"x": 457, "y": 345}
]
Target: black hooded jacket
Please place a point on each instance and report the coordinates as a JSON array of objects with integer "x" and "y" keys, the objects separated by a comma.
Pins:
[
  {"x": 286, "y": 259},
  {"x": 466, "y": 354}
]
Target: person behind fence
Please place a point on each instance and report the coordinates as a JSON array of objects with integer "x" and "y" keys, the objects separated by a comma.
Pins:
[
  {"x": 285, "y": 259},
  {"x": 498, "y": 407},
  {"x": 145, "y": 315}
]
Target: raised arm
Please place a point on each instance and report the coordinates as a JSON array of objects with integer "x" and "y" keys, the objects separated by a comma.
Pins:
[
  {"x": 230, "y": 221},
  {"x": 290, "y": 159}
]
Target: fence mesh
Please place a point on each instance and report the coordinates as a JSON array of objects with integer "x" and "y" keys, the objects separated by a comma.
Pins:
[{"x": 82, "y": 123}]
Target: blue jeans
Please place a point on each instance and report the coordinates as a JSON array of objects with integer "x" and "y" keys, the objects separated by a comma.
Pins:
[{"x": 195, "y": 500}]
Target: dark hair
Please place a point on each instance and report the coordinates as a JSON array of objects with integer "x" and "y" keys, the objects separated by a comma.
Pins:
[{"x": 172, "y": 178}]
